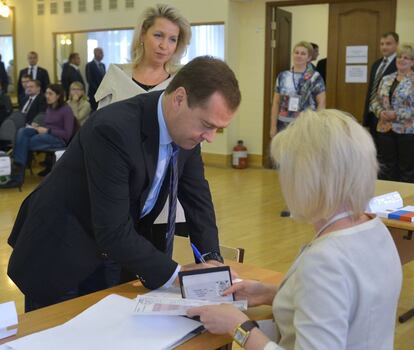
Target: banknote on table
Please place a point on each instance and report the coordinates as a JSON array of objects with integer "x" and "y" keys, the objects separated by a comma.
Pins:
[{"x": 147, "y": 305}]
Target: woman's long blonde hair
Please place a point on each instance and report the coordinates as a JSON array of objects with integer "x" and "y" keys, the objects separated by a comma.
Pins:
[{"x": 147, "y": 20}]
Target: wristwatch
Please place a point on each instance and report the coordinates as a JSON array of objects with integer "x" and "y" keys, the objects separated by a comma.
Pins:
[
  {"x": 213, "y": 256},
  {"x": 242, "y": 332}
]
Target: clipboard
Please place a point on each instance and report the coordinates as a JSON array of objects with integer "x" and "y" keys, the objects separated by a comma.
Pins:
[{"x": 206, "y": 284}]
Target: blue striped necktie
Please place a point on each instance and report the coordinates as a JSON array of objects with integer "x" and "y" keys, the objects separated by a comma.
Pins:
[{"x": 172, "y": 208}]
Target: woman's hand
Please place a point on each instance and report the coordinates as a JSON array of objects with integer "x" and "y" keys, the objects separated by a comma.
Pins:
[
  {"x": 219, "y": 319},
  {"x": 256, "y": 293},
  {"x": 42, "y": 130},
  {"x": 388, "y": 115}
]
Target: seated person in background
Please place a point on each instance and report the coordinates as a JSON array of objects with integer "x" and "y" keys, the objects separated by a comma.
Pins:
[
  {"x": 56, "y": 131},
  {"x": 342, "y": 290},
  {"x": 5, "y": 105},
  {"x": 78, "y": 102},
  {"x": 394, "y": 108},
  {"x": 33, "y": 104},
  {"x": 25, "y": 78}
]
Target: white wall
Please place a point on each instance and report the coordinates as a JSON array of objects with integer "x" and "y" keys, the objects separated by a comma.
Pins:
[{"x": 310, "y": 23}]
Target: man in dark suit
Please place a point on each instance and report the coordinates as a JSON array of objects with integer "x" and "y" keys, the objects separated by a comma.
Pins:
[
  {"x": 321, "y": 68},
  {"x": 95, "y": 71},
  {"x": 381, "y": 67},
  {"x": 71, "y": 72},
  {"x": 4, "y": 78},
  {"x": 32, "y": 105},
  {"x": 35, "y": 72},
  {"x": 99, "y": 203}
]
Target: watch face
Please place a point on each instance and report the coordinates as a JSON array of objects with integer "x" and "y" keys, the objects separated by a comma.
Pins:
[{"x": 239, "y": 336}]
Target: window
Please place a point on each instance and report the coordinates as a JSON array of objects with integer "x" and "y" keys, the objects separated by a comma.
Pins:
[
  {"x": 6, "y": 44},
  {"x": 207, "y": 39},
  {"x": 115, "y": 44}
]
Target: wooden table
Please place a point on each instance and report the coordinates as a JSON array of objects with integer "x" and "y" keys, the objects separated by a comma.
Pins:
[
  {"x": 55, "y": 315},
  {"x": 401, "y": 231}
]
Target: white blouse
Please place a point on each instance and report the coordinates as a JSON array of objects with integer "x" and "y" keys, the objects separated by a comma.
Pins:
[
  {"x": 117, "y": 85},
  {"x": 341, "y": 292}
]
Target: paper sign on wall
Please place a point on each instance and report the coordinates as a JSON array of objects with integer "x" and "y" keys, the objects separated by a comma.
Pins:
[
  {"x": 356, "y": 74},
  {"x": 357, "y": 54}
]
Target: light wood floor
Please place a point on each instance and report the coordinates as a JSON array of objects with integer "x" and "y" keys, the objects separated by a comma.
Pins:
[{"x": 247, "y": 204}]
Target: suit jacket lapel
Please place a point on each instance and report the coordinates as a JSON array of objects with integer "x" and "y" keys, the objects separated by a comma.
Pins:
[{"x": 150, "y": 138}]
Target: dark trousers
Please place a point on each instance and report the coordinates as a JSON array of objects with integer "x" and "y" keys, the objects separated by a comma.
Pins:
[
  {"x": 107, "y": 275},
  {"x": 395, "y": 155}
]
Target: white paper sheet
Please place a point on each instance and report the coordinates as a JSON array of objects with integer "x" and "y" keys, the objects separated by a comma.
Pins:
[
  {"x": 8, "y": 319},
  {"x": 150, "y": 305},
  {"x": 108, "y": 325},
  {"x": 356, "y": 74},
  {"x": 207, "y": 286},
  {"x": 5, "y": 166},
  {"x": 357, "y": 54}
]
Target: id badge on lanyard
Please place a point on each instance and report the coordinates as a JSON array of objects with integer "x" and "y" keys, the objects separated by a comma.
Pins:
[{"x": 294, "y": 103}]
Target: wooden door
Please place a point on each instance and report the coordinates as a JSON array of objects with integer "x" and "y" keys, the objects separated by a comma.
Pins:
[
  {"x": 278, "y": 50},
  {"x": 352, "y": 24}
]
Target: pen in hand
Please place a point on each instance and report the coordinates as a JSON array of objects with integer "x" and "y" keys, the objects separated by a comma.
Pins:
[{"x": 197, "y": 253}]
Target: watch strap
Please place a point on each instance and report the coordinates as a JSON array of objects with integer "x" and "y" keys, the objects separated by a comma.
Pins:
[
  {"x": 249, "y": 325},
  {"x": 213, "y": 256}
]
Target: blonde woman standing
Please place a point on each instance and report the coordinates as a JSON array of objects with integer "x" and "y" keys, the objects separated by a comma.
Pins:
[{"x": 160, "y": 40}]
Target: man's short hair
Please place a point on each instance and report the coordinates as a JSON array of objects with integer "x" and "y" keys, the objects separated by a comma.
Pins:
[
  {"x": 202, "y": 77},
  {"x": 72, "y": 56},
  {"x": 26, "y": 76},
  {"x": 327, "y": 162},
  {"x": 33, "y": 53},
  {"x": 36, "y": 82},
  {"x": 393, "y": 34},
  {"x": 314, "y": 46}
]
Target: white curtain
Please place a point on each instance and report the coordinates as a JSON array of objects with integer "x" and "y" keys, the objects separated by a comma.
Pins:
[
  {"x": 206, "y": 40},
  {"x": 115, "y": 44}
]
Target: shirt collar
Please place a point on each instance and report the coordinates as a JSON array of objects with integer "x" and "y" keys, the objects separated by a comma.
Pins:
[
  {"x": 97, "y": 62},
  {"x": 391, "y": 57},
  {"x": 74, "y": 66},
  {"x": 165, "y": 137},
  {"x": 33, "y": 67}
]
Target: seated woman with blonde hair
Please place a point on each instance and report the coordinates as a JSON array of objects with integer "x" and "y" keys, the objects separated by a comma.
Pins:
[
  {"x": 342, "y": 290},
  {"x": 78, "y": 102}
]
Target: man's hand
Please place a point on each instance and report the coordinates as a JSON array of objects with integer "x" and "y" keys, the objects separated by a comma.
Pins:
[
  {"x": 234, "y": 274},
  {"x": 190, "y": 267}
]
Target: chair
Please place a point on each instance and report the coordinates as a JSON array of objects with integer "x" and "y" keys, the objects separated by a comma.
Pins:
[{"x": 184, "y": 254}]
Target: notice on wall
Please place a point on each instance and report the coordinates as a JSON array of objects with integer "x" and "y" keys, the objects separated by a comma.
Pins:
[
  {"x": 356, "y": 74},
  {"x": 357, "y": 54}
]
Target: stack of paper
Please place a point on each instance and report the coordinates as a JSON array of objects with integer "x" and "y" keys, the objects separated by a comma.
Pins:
[{"x": 110, "y": 324}]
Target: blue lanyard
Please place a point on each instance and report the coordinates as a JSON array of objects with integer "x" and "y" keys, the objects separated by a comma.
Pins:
[{"x": 299, "y": 86}]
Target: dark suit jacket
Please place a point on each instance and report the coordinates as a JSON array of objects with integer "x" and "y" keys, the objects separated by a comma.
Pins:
[
  {"x": 4, "y": 78},
  {"x": 42, "y": 75},
  {"x": 69, "y": 75},
  {"x": 321, "y": 68},
  {"x": 90, "y": 205},
  {"x": 369, "y": 119},
  {"x": 39, "y": 105},
  {"x": 94, "y": 77}
]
